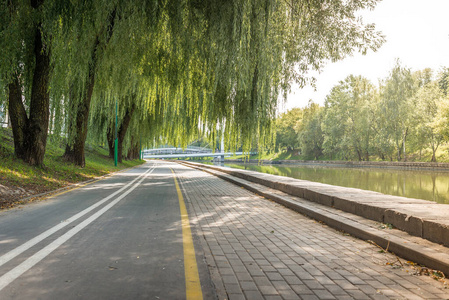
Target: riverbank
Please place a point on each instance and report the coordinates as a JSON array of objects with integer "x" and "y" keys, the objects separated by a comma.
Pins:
[
  {"x": 21, "y": 183},
  {"x": 376, "y": 164}
]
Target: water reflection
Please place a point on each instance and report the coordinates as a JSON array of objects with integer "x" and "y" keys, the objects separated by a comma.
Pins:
[{"x": 427, "y": 185}]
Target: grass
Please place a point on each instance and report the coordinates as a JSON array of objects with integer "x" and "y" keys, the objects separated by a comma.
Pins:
[
  {"x": 19, "y": 180},
  {"x": 285, "y": 155}
]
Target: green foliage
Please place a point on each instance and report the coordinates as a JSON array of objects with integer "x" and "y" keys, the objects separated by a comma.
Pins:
[
  {"x": 361, "y": 122},
  {"x": 348, "y": 119},
  {"x": 192, "y": 68},
  {"x": 443, "y": 80},
  {"x": 429, "y": 116},
  {"x": 396, "y": 106},
  {"x": 310, "y": 134},
  {"x": 285, "y": 129}
]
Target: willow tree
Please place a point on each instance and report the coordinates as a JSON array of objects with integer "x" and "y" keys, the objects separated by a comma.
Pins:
[
  {"x": 396, "y": 105},
  {"x": 348, "y": 118},
  {"x": 197, "y": 67},
  {"x": 429, "y": 122},
  {"x": 25, "y": 70},
  {"x": 258, "y": 48},
  {"x": 220, "y": 67}
]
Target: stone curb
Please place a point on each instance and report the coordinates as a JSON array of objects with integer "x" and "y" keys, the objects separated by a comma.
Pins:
[
  {"x": 425, "y": 219},
  {"x": 412, "y": 248}
]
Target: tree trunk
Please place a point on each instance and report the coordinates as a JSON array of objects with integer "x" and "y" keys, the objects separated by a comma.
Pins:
[
  {"x": 19, "y": 119},
  {"x": 122, "y": 131},
  {"x": 30, "y": 134},
  {"x": 76, "y": 150},
  {"x": 110, "y": 138},
  {"x": 359, "y": 154},
  {"x": 40, "y": 104},
  {"x": 434, "y": 150},
  {"x": 403, "y": 144},
  {"x": 133, "y": 152},
  {"x": 366, "y": 156}
]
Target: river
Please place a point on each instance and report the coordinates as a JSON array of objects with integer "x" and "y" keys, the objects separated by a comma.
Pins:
[{"x": 419, "y": 184}]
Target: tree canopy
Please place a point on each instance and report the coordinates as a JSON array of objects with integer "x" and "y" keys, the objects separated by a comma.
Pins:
[
  {"x": 406, "y": 113},
  {"x": 183, "y": 68}
]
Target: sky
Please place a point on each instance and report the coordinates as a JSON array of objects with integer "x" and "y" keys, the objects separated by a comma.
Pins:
[{"x": 416, "y": 32}]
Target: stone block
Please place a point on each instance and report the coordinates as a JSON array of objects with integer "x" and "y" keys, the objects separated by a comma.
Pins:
[
  {"x": 404, "y": 221},
  {"x": 318, "y": 196},
  {"x": 370, "y": 211},
  {"x": 436, "y": 231}
]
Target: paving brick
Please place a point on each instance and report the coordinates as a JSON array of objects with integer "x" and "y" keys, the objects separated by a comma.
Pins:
[
  {"x": 248, "y": 286},
  {"x": 229, "y": 279},
  {"x": 313, "y": 284},
  {"x": 378, "y": 297},
  {"x": 273, "y": 298},
  {"x": 243, "y": 276},
  {"x": 303, "y": 275},
  {"x": 262, "y": 280},
  {"x": 268, "y": 268},
  {"x": 281, "y": 285},
  {"x": 358, "y": 294},
  {"x": 236, "y": 297},
  {"x": 239, "y": 268},
  {"x": 268, "y": 290},
  {"x": 336, "y": 290},
  {"x": 324, "y": 280},
  {"x": 286, "y": 272},
  {"x": 255, "y": 270},
  {"x": 390, "y": 293},
  {"x": 288, "y": 294},
  {"x": 355, "y": 280},
  {"x": 226, "y": 271},
  {"x": 253, "y": 295},
  {"x": 309, "y": 297},
  {"x": 273, "y": 276},
  {"x": 346, "y": 285},
  {"x": 323, "y": 294},
  {"x": 233, "y": 288},
  {"x": 301, "y": 289},
  {"x": 367, "y": 289}
]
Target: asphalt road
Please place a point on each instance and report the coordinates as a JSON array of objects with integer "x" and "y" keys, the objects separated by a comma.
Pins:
[{"x": 117, "y": 238}]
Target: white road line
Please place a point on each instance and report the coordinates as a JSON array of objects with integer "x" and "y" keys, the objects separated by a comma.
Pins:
[
  {"x": 27, "y": 245},
  {"x": 33, "y": 260}
]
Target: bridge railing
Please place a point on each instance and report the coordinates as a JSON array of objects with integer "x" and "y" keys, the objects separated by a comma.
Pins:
[{"x": 173, "y": 150}]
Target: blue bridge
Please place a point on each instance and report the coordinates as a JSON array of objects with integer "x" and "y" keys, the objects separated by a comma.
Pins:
[{"x": 190, "y": 151}]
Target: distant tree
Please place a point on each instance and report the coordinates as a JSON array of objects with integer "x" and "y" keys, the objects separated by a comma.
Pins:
[
  {"x": 443, "y": 80},
  {"x": 310, "y": 135},
  {"x": 396, "y": 107},
  {"x": 429, "y": 126},
  {"x": 286, "y": 136},
  {"x": 347, "y": 121}
]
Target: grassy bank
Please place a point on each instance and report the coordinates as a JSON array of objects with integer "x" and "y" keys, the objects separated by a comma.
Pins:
[
  {"x": 284, "y": 155},
  {"x": 442, "y": 155},
  {"x": 18, "y": 180}
]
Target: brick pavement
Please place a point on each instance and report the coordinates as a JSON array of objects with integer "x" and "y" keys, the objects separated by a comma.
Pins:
[{"x": 257, "y": 249}]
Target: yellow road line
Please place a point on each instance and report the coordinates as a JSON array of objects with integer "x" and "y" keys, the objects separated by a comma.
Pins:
[{"x": 193, "y": 285}]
